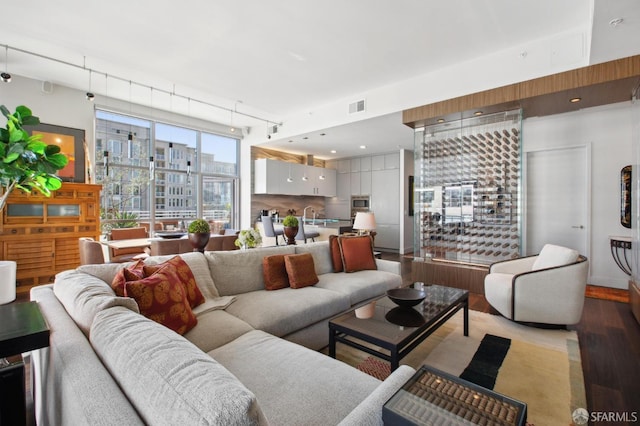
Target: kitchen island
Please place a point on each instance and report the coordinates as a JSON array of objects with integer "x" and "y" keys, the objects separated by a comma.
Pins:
[{"x": 324, "y": 227}]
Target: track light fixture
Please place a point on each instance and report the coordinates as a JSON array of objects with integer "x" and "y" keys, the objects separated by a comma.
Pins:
[
  {"x": 5, "y": 76},
  {"x": 105, "y": 163},
  {"x": 170, "y": 152},
  {"x": 90, "y": 96},
  {"x": 130, "y": 145},
  {"x": 152, "y": 168},
  {"x": 188, "y": 168}
]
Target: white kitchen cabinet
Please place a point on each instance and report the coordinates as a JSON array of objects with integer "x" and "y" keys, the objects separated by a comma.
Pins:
[
  {"x": 365, "y": 164},
  {"x": 343, "y": 187},
  {"x": 365, "y": 183},
  {"x": 272, "y": 177},
  {"x": 385, "y": 196},
  {"x": 392, "y": 161},
  {"x": 355, "y": 165},
  {"x": 344, "y": 166},
  {"x": 377, "y": 162},
  {"x": 355, "y": 183}
]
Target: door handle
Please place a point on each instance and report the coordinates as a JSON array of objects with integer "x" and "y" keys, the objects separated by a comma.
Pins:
[{"x": 578, "y": 227}]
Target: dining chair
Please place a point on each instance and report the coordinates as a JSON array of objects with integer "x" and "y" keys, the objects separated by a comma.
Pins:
[
  {"x": 90, "y": 251},
  {"x": 269, "y": 230},
  {"x": 127, "y": 254},
  {"x": 302, "y": 235}
]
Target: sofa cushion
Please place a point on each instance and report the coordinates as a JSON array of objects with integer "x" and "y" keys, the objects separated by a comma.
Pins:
[
  {"x": 275, "y": 272},
  {"x": 551, "y": 256},
  {"x": 357, "y": 253},
  {"x": 216, "y": 328},
  {"x": 240, "y": 271},
  {"x": 360, "y": 286},
  {"x": 295, "y": 385},
  {"x": 167, "y": 378},
  {"x": 335, "y": 253},
  {"x": 83, "y": 296},
  {"x": 284, "y": 311},
  {"x": 195, "y": 260},
  {"x": 184, "y": 273},
  {"x": 300, "y": 270},
  {"x": 321, "y": 255},
  {"x": 199, "y": 267},
  {"x": 163, "y": 298}
]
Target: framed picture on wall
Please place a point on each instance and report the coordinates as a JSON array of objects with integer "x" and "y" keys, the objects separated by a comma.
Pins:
[{"x": 71, "y": 142}]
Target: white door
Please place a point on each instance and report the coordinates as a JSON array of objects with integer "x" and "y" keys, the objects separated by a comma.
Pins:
[{"x": 556, "y": 209}]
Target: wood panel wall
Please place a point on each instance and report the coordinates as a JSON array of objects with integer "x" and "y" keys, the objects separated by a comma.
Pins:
[
  {"x": 599, "y": 84},
  {"x": 450, "y": 274},
  {"x": 258, "y": 153}
]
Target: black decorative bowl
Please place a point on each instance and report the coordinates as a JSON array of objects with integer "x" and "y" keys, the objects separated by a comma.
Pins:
[
  {"x": 406, "y": 296},
  {"x": 405, "y": 316},
  {"x": 171, "y": 234}
]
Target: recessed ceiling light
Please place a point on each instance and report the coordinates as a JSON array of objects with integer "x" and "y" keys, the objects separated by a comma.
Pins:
[
  {"x": 363, "y": 146},
  {"x": 477, "y": 113},
  {"x": 440, "y": 120},
  {"x": 575, "y": 100},
  {"x": 290, "y": 140},
  {"x": 333, "y": 151},
  {"x": 323, "y": 134},
  {"x": 305, "y": 138}
]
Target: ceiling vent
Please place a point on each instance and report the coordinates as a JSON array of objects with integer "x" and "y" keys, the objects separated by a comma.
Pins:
[{"x": 357, "y": 106}]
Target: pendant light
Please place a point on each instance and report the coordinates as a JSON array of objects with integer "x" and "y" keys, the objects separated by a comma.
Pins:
[
  {"x": 5, "y": 76},
  {"x": 152, "y": 168},
  {"x": 290, "y": 179},
  {"x": 105, "y": 163}
]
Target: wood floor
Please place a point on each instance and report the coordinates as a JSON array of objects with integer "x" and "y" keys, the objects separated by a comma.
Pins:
[
  {"x": 609, "y": 345},
  {"x": 609, "y": 339}
]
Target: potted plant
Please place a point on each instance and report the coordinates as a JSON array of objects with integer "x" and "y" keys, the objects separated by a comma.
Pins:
[
  {"x": 199, "y": 233},
  {"x": 248, "y": 238},
  {"x": 290, "y": 224},
  {"x": 26, "y": 162}
]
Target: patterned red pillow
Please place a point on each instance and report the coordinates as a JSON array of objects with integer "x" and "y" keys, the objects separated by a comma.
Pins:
[
  {"x": 162, "y": 297},
  {"x": 274, "y": 272},
  {"x": 301, "y": 270},
  {"x": 130, "y": 273},
  {"x": 336, "y": 253},
  {"x": 357, "y": 253},
  {"x": 184, "y": 273}
]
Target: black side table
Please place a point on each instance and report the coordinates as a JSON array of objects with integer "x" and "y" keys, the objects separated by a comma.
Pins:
[{"x": 22, "y": 329}]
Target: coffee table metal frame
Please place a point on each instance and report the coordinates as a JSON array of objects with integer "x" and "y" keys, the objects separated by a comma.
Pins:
[{"x": 345, "y": 328}]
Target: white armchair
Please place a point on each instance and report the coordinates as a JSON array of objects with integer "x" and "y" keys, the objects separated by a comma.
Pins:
[{"x": 547, "y": 288}]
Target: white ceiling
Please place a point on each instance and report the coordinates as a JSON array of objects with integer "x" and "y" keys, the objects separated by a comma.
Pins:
[{"x": 274, "y": 59}]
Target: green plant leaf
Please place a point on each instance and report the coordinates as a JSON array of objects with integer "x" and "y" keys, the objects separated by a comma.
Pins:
[
  {"x": 51, "y": 149},
  {"x": 58, "y": 160},
  {"x": 37, "y": 146}
]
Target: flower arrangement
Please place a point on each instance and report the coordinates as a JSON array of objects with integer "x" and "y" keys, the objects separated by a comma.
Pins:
[{"x": 249, "y": 238}]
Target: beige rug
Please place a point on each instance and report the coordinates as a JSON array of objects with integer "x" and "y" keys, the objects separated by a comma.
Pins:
[{"x": 542, "y": 367}]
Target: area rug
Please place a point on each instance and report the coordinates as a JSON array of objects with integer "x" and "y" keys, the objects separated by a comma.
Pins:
[{"x": 537, "y": 366}]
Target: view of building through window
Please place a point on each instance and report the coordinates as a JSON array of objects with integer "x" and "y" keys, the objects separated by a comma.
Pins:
[{"x": 163, "y": 175}]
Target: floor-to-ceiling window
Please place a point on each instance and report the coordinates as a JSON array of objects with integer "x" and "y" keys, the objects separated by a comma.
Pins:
[{"x": 162, "y": 175}]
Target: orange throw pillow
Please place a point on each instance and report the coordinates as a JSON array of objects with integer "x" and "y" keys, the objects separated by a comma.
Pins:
[
  {"x": 184, "y": 273},
  {"x": 130, "y": 273},
  {"x": 161, "y": 297},
  {"x": 357, "y": 253},
  {"x": 301, "y": 270},
  {"x": 274, "y": 272},
  {"x": 335, "y": 253}
]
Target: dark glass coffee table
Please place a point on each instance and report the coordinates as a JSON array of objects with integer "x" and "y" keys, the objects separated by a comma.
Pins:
[{"x": 398, "y": 330}]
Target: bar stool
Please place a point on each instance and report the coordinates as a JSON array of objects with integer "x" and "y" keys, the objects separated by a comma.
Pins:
[
  {"x": 269, "y": 230},
  {"x": 304, "y": 236}
]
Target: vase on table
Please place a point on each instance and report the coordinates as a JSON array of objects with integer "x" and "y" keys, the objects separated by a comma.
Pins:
[{"x": 199, "y": 240}]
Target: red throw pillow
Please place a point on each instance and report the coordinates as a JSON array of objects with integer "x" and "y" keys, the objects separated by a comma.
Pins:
[
  {"x": 184, "y": 273},
  {"x": 274, "y": 272},
  {"x": 357, "y": 253},
  {"x": 336, "y": 253},
  {"x": 131, "y": 273},
  {"x": 301, "y": 270},
  {"x": 162, "y": 298}
]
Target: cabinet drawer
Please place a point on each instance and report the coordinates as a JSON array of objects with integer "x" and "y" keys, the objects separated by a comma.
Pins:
[
  {"x": 13, "y": 231},
  {"x": 64, "y": 229},
  {"x": 40, "y": 230}
]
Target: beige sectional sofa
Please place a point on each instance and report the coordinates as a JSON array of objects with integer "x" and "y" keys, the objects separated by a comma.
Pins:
[{"x": 250, "y": 359}]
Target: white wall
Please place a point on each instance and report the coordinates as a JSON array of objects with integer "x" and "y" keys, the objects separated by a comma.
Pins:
[{"x": 609, "y": 131}]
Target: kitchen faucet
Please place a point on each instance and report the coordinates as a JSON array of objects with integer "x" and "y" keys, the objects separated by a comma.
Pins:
[{"x": 304, "y": 214}]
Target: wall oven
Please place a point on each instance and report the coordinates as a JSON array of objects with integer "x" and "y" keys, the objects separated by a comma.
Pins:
[{"x": 359, "y": 203}]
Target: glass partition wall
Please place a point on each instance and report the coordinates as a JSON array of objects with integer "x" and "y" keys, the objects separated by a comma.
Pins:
[{"x": 467, "y": 189}]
